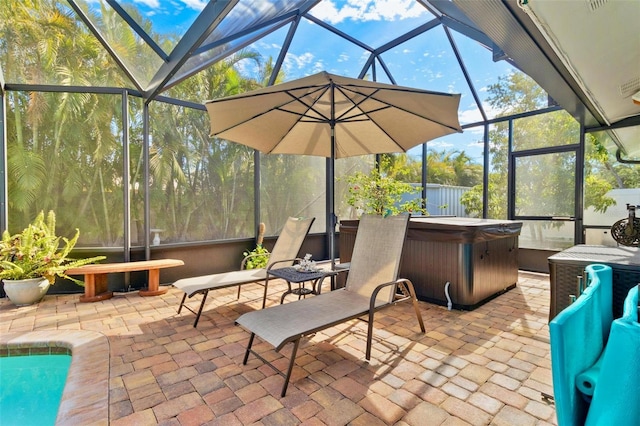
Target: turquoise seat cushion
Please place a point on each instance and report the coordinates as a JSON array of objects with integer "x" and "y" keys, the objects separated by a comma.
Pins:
[
  {"x": 578, "y": 336},
  {"x": 616, "y": 399}
]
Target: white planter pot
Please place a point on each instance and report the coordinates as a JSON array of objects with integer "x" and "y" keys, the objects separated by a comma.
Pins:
[{"x": 26, "y": 292}]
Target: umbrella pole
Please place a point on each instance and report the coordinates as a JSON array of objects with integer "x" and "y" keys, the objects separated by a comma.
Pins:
[{"x": 331, "y": 217}]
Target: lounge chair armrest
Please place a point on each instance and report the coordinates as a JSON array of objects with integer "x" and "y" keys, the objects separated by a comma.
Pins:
[
  {"x": 374, "y": 295},
  {"x": 406, "y": 287}
]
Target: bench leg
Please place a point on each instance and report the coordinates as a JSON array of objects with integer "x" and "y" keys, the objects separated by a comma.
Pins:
[
  {"x": 154, "y": 284},
  {"x": 95, "y": 288}
]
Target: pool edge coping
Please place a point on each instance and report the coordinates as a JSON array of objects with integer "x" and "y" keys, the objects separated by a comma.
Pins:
[{"x": 85, "y": 399}]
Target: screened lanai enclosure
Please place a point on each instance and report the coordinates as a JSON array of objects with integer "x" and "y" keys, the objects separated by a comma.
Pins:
[{"x": 103, "y": 118}]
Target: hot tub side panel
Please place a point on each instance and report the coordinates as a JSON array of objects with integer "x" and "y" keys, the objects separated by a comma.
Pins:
[
  {"x": 495, "y": 269},
  {"x": 479, "y": 258},
  {"x": 476, "y": 272},
  {"x": 429, "y": 265}
]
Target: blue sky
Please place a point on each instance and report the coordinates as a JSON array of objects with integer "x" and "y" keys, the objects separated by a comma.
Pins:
[{"x": 427, "y": 61}]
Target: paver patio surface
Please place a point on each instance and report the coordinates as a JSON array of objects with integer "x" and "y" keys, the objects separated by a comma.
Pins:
[{"x": 480, "y": 367}]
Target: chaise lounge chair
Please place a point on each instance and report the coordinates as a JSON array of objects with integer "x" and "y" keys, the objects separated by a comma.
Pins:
[
  {"x": 372, "y": 284},
  {"x": 283, "y": 254}
]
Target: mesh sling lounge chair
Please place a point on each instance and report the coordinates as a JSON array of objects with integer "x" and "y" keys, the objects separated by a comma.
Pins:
[
  {"x": 283, "y": 254},
  {"x": 372, "y": 284}
]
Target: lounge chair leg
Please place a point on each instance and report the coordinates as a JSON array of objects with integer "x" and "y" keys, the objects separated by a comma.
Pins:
[
  {"x": 246, "y": 354},
  {"x": 418, "y": 315},
  {"x": 204, "y": 299},
  {"x": 290, "y": 369},
  {"x": 264, "y": 297},
  {"x": 414, "y": 300},
  {"x": 182, "y": 302},
  {"x": 239, "y": 287},
  {"x": 369, "y": 335}
]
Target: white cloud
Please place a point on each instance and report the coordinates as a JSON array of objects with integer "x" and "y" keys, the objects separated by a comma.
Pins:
[
  {"x": 297, "y": 62},
  {"x": 304, "y": 59},
  {"x": 368, "y": 10},
  {"x": 470, "y": 116},
  {"x": 476, "y": 131},
  {"x": 149, "y": 3},
  {"x": 175, "y": 5},
  {"x": 318, "y": 66},
  {"x": 194, "y": 4},
  {"x": 440, "y": 144},
  {"x": 343, "y": 57},
  {"x": 262, "y": 46}
]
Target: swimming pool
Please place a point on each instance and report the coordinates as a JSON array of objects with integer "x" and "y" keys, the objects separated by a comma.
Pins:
[
  {"x": 85, "y": 399},
  {"x": 31, "y": 388}
]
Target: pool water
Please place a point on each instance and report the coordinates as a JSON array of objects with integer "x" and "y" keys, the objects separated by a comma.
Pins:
[{"x": 31, "y": 388}]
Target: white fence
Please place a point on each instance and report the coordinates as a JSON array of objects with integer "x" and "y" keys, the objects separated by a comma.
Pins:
[{"x": 442, "y": 199}]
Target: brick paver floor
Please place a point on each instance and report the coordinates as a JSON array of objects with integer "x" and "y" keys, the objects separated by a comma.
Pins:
[{"x": 486, "y": 366}]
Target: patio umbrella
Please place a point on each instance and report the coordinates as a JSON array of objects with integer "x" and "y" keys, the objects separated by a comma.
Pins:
[{"x": 335, "y": 117}]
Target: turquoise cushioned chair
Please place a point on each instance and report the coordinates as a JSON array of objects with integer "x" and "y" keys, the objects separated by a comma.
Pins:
[
  {"x": 578, "y": 336},
  {"x": 616, "y": 400}
]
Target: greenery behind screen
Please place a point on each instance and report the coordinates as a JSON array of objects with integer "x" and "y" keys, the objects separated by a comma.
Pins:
[{"x": 65, "y": 150}]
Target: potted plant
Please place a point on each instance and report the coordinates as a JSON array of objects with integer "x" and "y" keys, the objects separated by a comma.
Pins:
[
  {"x": 31, "y": 260},
  {"x": 259, "y": 256}
]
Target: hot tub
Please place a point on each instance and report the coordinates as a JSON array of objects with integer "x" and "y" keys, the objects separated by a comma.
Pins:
[{"x": 478, "y": 257}]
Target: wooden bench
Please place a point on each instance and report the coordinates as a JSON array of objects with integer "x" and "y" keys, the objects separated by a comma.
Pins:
[{"x": 95, "y": 277}]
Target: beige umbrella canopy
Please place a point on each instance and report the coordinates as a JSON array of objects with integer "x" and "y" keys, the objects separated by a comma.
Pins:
[
  {"x": 335, "y": 117},
  {"x": 297, "y": 117}
]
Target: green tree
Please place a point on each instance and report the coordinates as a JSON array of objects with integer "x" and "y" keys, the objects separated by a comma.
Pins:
[
  {"x": 515, "y": 94},
  {"x": 202, "y": 186},
  {"x": 452, "y": 167},
  {"x": 604, "y": 170},
  {"x": 62, "y": 148},
  {"x": 65, "y": 149}
]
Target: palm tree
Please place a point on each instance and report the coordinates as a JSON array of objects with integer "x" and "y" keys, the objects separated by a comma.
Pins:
[{"x": 194, "y": 175}]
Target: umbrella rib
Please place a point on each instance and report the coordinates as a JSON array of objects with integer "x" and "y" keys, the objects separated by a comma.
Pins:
[
  {"x": 309, "y": 107},
  {"x": 372, "y": 96},
  {"x": 309, "y": 103},
  {"x": 394, "y": 88},
  {"x": 279, "y": 107},
  {"x": 386, "y": 106},
  {"x": 366, "y": 114},
  {"x": 355, "y": 104}
]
